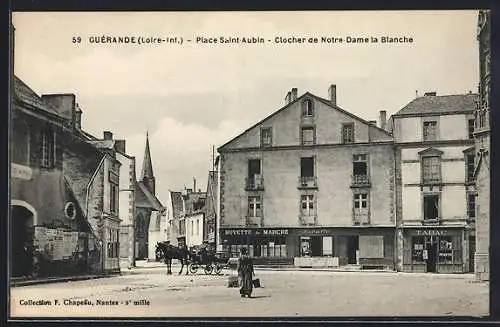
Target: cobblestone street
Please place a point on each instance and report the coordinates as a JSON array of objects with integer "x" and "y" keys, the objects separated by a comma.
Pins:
[{"x": 285, "y": 293}]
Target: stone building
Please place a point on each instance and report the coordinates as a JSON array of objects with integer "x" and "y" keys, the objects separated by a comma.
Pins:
[
  {"x": 310, "y": 185},
  {"x": 192, "y": 217},
  {"x": 148, "y": 208},
  {"x": 482, "y": 134},
  {"x": 174, "y": 211},
  {"x": 435, "y": 191},
  {"x": 48, "y": 229},
  {"x": 90, "y": 165},
  {"x": 210, "y": 210}
]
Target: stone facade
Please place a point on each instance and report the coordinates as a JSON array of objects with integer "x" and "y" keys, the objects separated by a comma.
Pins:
[
  {"x": 482, "y": 134},
  {"x": 310, "y": 180}
]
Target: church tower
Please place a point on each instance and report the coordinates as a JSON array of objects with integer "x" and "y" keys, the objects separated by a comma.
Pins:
[{"x": 147, "y": 176}]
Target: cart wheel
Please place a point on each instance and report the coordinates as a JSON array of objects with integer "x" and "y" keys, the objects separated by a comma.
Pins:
[
  {"x": 208, "y": 269},
  {"x": 193, "y": 268},
  {"x": 218, "y": 269}
]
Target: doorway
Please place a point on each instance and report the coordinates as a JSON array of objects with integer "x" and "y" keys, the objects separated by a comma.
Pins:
[
  {"x": 21, "y": 241},
  {"x": 432, "y": 250},
  {"x": 352, "y": 249}
]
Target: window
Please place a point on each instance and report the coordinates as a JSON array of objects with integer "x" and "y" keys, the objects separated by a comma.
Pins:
[
  {"x": 360, "y": 201},
  {"x": 361, "y": 206},
  {"x": 470, "y": 128},
  {"x": 308, "y": 135},
  {"x": 197, "y": 227},
  {"x": 445, "y": 249},
  {"x": 307, "y": 205},
  {"x": 48, "y": 148},
  {"x": 307, "y": 167},
  {"x": 254, "y": 206},
  {"x": 360, "y": 168},
  {"x": 182, "y": 227},
  {"x": 431, "y": 207},
  {"x": 430, "y": 131},
  {"x": 20, "y": 142},
  {"x": 254, "y": 179},
  {"x": 275, "y": 247},
  {"x": 113, "y": 198},
  {"x": 471, "y": 205},
  {"x": 113, "y": 244},
  {"x": 192, "y": 227},
  {"x": 470, "y": 166},
  {"x": 307, "y": 108},
  {"x": 418, "y": 243},
  {"x": 266, "y": 136},
  {"x": 348, "y": 133},
  {"x": 431, "y": 169}
]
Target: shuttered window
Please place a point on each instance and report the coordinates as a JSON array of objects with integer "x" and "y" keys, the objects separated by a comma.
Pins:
[{"x": 371, "y": 246}]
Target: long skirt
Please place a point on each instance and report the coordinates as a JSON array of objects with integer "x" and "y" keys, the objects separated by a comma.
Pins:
[{"x": 245, "y": 281}]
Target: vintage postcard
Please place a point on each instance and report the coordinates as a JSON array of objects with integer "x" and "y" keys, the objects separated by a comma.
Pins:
[{"x": 249, "y": 164}]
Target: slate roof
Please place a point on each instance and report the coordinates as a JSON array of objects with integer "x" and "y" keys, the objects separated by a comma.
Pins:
[
  {"x": 323, "y": 100},
  {"x": 442, "y": 104},
  {"x": 145, "y": 199},
  {"x": 26, "y": 95}
]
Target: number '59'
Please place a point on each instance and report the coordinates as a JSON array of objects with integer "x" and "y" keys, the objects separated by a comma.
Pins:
[{"x": 77, "y": 39}]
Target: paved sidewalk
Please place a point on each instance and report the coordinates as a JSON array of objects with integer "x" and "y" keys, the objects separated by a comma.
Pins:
[{"x": 48, "y": 280}]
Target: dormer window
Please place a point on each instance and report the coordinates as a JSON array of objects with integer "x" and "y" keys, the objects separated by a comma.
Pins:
[{"x": 307, "y": 108}]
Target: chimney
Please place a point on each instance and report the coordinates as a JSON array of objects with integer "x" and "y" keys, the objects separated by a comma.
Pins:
[
  {"x": 108, "y": 135},
  {"x": 383, "y": 119},
  {"x": 78, "y": 117},
  {"x": 65, "y": 105},
  {"x": 288, "y": 97},
  {"x": 189, "y": 191},
  {"x": 294, "y": 94},
  {"x": 194, "y": 184},
  {"x": 430, "y": 94},
  {"x": 120, "y": 146},
  {"x": 332, "y": 94}
]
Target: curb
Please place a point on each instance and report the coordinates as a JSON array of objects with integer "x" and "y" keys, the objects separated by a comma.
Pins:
[
  {"x": 57, "y": 280},
  {"x": 325, "y": 269}
]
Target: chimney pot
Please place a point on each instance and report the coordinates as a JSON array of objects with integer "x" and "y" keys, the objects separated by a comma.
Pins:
[
  {"x": 294, "y": 94},
  {"x": 332, "y": 94},
  {"x": 383, "y": 119},
  {"x": 430, "y": 94},
  {"x": 288, "y": 97},
  {"x": 108, "y": 135}
]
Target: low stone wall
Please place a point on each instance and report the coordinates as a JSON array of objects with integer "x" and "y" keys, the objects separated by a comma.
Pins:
[{"x": 316, "y": 262}]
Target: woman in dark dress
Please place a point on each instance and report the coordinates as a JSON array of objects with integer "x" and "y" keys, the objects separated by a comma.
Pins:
[{"x": 245, "y": 273}]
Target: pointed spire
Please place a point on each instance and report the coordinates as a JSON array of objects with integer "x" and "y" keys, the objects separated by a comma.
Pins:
[{"x": 147, "y": 166}]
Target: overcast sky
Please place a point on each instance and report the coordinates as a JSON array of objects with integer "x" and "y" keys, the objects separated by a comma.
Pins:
[{"x": 192, "y": 96}]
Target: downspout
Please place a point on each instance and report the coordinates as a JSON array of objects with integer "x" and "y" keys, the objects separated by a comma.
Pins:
[{"x": 87, "y": 207}]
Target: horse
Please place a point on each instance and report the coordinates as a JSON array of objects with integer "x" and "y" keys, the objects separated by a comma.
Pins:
[{"x": 167, "y": 252}]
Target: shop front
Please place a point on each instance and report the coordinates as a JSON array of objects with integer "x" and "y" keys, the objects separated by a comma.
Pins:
[
  {"x": 435, "y": 250},
  {"x": 314, "y": 247}
]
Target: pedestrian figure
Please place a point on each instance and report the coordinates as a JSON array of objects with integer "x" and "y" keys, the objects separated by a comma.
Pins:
[{"x": 245, "y": 273}]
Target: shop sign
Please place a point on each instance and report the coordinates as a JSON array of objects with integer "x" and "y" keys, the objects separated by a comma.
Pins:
[
  {"x": 431, "y": 232},
  {"x": 113, "y": 178},
  {"x": 321, "y": 231},
  {"x": 265, "y": 232},
  {"x": 20, "y": 171}
]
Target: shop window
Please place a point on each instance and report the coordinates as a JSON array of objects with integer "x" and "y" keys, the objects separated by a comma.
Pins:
[
  {"x": 471, "y": 205},
  {"x": 371, "y": 246},
  {"x": 431, "y": 169},
  {"x": 445, "y": 250},
  {"x": 327, "y": 245},
  {"x": 266, "y": 136},
  {"x": 431, "y": 207},
  {"x": 308, "y": 135},
  {"x": 348, "y": 133},
  {"x": 307, "y": 108},
  {"x": 430, "y": 130},
  {"x": 418, "y": 246},
  {"x": 305, "y": 246},
  {"x": 470, "y": 128},
  {"x": 254, "y": 206}
]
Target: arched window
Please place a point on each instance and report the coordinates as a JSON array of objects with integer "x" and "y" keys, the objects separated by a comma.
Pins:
[{"x": 20, "y": 142}]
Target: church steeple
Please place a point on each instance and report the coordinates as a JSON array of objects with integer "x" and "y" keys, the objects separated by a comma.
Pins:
[{"x": 147, "y": 176}]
